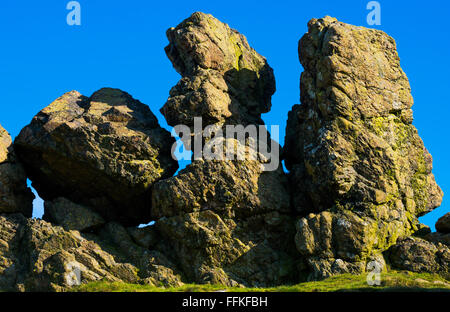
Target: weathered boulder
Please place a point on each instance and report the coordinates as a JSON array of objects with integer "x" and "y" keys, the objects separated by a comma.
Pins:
[
  {"x": 355, "y": 160},
  {"x": 419, "y": 255},
  {"x": 38, "y": 256},
  {"x": 224, "y": 79},
  {"x": 223, "y": 221},
  {"x": 352, "y": 137},
  {"x": 212, "y": 248},
  {"x": 104, "y": 152},
  {"x": 443, "y": 224},
  {"x": 15, "y": 196},
  {"x": 71, "y": 216},
  {"x": 233, "y": 188}
]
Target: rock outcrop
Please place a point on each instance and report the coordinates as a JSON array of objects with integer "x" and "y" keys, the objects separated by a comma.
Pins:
[
  {"x": 224, "y": 79},
  {"x": 430, "y": 252},
  {"x": 15, "y": 196},
  {"x": 360, "y": 173},
  {"x": 38, "y": 256},
  {"x": 226, "y": 221},
  {"x": 420, "y": 255},
  {"x": 104, "y": 152}
]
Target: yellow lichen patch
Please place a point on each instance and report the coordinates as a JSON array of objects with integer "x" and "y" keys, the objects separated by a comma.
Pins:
[{"x": 62, "y": 103}]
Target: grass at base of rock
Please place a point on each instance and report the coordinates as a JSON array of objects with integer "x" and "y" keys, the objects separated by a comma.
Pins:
[{"x": 392, "y": 281}]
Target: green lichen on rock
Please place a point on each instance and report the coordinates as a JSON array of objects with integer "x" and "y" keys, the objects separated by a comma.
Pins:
[
  {"x": 38, "y": 256},
  {"x": 351, "y": 148}
]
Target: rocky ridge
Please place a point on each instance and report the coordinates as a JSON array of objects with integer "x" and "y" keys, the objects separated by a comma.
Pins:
[{"x": 359, "y": 174}]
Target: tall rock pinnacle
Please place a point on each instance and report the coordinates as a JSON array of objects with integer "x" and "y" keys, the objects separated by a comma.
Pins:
[
  {"x": 226, "y": 220},
  {"x": 356, "y": 161}
]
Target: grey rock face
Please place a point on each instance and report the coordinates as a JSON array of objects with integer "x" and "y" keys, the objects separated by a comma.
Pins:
[
  {"x": 104, "y": 152},
  {"x": 443, "y": 224},
  {"x": 226, "y": 221},
  {"x": 15, "y": 196},
  {"x": 419, "y": 255},
  {"x": 71, "y": 216}
]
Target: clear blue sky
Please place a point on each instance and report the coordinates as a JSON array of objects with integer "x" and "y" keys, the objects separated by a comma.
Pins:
[{"x": 121, "y": 44}]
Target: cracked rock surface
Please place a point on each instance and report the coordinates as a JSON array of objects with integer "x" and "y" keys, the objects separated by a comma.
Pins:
[
  {"x": 105, "y": 152},
  {"x": 226, "y": 222}
]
